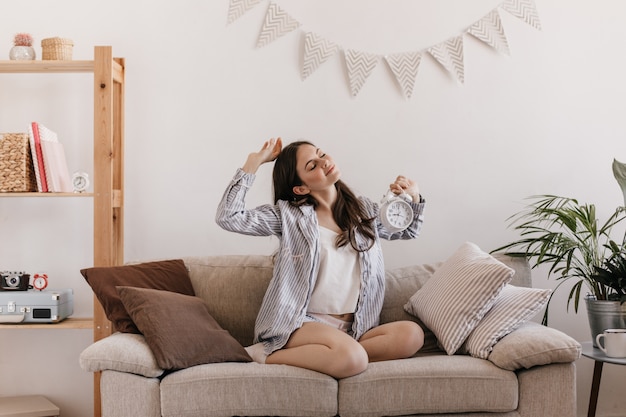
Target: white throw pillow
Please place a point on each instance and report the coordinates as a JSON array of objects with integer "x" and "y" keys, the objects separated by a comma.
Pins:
[
  {"x": 533, "y": 344},
  {"x": 458, "y": 295},
  {"x": 513, "y": 307}
]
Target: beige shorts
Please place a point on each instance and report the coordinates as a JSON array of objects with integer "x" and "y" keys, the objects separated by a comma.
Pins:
[{"x": 344, "y": 326}]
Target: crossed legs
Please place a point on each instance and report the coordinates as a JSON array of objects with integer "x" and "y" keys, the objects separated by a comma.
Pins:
[{"x": 322, "y": 348}]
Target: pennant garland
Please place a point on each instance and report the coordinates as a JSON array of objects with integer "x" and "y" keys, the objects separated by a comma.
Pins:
[
  {"x": 489, "y": 30},
  {"x": 360, "y": 65},
  {"x": 237, "y": 8},
  {"x": 277, "y": 23},
  {"x": 525, "y": 10},
  {"x": 403, "y": 66},
  {"x": 317, "y": 50},
  {"x": 450, "y": 55}
]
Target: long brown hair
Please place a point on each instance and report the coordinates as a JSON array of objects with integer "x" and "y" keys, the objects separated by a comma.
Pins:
[{"x": 348, "y": 211}]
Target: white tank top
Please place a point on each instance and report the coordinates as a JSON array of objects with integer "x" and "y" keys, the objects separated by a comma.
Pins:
[{"x": 337, "y": 287}]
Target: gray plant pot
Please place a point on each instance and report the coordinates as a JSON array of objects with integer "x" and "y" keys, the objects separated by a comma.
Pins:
[{"x": 604, "y": 315}]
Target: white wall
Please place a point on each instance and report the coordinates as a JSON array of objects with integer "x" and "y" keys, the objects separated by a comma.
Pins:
[{"x": 547, "y": 119}]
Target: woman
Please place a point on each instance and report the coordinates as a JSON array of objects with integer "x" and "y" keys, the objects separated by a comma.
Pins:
[{"x": 322, "y": 306}]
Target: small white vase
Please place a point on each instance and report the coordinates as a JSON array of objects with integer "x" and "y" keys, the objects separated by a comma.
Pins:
[{"x": 22, "y": 53}]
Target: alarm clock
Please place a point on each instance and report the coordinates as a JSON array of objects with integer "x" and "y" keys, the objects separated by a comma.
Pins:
[
  {"x": 396, "y": 214},
  {"x": 40, "y": 281},
  {"x": 80, "y": 182}
]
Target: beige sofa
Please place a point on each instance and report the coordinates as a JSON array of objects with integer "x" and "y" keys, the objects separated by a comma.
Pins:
[{"x": 529, "y": 373}]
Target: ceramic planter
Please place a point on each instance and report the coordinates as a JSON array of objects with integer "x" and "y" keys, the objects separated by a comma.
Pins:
[{"x": 22, "y": 53}]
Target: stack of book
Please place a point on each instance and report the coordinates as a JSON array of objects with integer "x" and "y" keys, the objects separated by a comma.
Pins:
[{"x": 51, "y": 171}]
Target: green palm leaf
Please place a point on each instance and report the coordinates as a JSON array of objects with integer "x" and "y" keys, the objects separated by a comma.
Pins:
[{"x": 564, "y": 234}]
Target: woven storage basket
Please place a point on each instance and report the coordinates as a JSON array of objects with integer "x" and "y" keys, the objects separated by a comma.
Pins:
[
  {"x": 56, "y": 49},
  {"x": 16, "y": 163}
]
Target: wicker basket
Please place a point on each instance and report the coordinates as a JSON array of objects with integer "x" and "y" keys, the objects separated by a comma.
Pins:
[
  {"x": 16, "y": 163},
  {"x": 56, "y": 49}
]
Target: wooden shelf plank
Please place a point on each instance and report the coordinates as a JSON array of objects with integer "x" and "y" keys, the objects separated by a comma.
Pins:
[
  {"x": 68, "y": 323},
  {"x": 46, "y": 66},
  {"x": 48, "y": 195}
]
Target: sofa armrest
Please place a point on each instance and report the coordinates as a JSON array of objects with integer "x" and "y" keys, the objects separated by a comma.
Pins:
[
  {"x": 533, "y": 344},
  {"x": 123, "y": 352}
]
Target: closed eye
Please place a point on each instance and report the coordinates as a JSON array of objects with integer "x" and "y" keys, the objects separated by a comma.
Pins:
[{"x": 311, "y": 165}]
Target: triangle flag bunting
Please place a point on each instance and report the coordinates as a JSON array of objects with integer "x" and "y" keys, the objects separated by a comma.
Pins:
[
  {"x": 237, "y": 8},
  {"x": 489, "y": 30},
  {"x": 360, "y": 65},
  {"x": 404, "y": 67},
  {"x": 523, "y": 9},
  {"x": 277, "y": 23},
  {"x": 317, "y": 50},
  {"x": 450, "y": 55}
]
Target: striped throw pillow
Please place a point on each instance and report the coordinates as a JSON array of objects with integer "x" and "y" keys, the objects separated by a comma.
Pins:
[
  {"x": 459, "y": 294},
  {"x": 513, "y": 307}
]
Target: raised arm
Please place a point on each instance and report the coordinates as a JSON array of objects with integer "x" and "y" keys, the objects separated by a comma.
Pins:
[
  {"x": 232, "y": 213},
  {"x": 269, "y": 152}
]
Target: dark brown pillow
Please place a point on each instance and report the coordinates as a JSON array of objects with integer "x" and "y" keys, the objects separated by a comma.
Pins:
[
  {"x": 179, "y": 329},
  {"x": 169, "y": 275}
]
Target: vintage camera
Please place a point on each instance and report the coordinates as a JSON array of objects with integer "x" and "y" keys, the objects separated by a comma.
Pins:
[{"x": 14, "y": 281}]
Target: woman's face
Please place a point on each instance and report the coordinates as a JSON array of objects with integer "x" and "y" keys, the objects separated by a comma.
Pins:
[{"x": 315, "y": 168}]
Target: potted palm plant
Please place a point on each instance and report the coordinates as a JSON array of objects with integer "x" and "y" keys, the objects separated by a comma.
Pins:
[
  {"x": 609, "y": 313},
  {"x": 566, "y": 236}
]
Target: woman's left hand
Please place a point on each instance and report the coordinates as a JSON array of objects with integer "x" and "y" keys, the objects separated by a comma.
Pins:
[{"x": 405, "y": 185}]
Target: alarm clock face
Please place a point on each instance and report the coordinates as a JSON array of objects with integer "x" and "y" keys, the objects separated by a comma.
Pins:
[
  {"x": 398, "y": 215},
  {"x": 40, "y": 281},
  {"x": 80, "y": 182}
]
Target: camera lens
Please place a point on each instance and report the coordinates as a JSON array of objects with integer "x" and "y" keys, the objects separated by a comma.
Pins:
[{"x": 13, "y": 281}]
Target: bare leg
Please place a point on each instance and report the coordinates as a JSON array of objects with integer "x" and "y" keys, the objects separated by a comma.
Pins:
[
  {"x": 396, "y": 340},
  {"x": 322, "y": 348}
]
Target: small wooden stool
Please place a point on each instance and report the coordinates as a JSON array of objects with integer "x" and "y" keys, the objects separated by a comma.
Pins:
[{"x": 27, "y": 406}]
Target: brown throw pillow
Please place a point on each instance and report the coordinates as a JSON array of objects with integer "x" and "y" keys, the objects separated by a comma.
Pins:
[
  {"x": 169, "y": 275},
  {"x": 179, "y": 329}
]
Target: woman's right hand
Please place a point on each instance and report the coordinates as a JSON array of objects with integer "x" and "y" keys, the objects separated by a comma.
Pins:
[{"x": 269, "y": 152}]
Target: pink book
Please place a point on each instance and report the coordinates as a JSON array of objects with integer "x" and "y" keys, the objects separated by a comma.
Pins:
[
  {"x": 55, "y": 166},
  {"x": 38, "y": 163}
]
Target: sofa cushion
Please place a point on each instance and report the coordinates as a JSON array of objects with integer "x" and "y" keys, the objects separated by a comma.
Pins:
[
  {"x": 129, "y": 395},
  {"x": 513, "y": 307},
  {"x": 179, "y": 329},
  {"x": 400, "y": 284},
  {"x": 429, "y": 384},
  {"x": 169, "y": 275},
  {"x": 533, "y": 344},
  {"x": 460, "y": 292},
  {"x": 233, "y": 287},
  {"x": 248, "y": 389},
  {"x": 122, "y": 352}
]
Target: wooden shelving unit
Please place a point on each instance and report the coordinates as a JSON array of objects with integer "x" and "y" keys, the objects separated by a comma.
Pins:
[{"x": 108, "y": 175}]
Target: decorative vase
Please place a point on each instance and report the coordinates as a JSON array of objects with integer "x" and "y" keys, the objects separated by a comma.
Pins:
[
  {"x": 604, "y": 315},
  {"x": 22, "y": 53}
]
